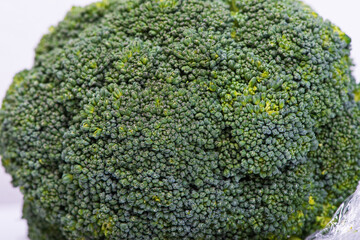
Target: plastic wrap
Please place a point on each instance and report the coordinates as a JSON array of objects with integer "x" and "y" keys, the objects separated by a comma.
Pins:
[{"x": 345, "y": 224}]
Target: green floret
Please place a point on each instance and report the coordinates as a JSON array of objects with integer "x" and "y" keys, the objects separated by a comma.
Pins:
[{"x": 196, "y": 119}]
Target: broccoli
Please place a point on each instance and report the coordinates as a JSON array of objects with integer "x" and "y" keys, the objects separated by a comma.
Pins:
[{"x": 196, "y": 119}]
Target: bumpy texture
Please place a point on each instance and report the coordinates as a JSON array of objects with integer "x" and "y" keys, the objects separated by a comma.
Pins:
[{"x": 172, "y": 119}]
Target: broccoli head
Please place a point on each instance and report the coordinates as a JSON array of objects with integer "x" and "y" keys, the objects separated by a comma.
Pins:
[{"x": 184, "y": 119}]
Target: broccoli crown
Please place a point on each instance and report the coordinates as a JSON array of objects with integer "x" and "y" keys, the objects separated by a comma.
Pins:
[{"x": 196, "y": 119}]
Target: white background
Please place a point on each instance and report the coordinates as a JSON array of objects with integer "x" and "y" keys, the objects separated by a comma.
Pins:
[{"x": 23, "y": 22}]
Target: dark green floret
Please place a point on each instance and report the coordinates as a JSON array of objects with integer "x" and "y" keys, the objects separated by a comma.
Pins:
[{"x": 192, "y": 119}]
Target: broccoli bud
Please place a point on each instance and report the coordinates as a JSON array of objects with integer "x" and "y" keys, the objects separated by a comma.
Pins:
[{"x": 198, "y": 119}]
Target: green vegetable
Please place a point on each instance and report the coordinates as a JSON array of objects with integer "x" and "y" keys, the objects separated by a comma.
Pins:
[{"x": 191, "y": 119}]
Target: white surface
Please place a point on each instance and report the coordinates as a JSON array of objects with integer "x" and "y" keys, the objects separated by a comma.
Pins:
[
  {"x": 23, "y": 22},
  {"x": 12, "y": 227}
]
